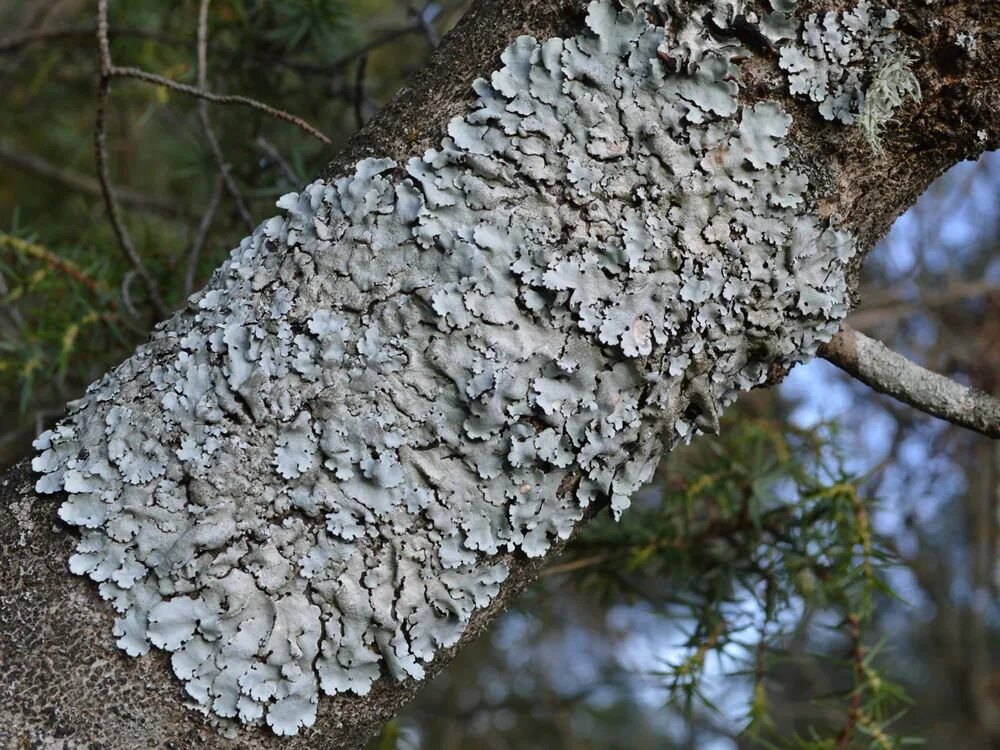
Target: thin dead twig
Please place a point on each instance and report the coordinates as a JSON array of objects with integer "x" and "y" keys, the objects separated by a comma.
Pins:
[
  {"x": 183, "y": 88},
  {"x": 114, "y": 211},
  {"x": 15, "y": 42},
  {"x": 895, "y": 309},
  {"x": 200, "y": 236},
  {"x": 103, "y": 170},
  {"x": 206, "y": 123},
  {"x": 274, "y": 155},
  {"x": 35, "y": 164}
]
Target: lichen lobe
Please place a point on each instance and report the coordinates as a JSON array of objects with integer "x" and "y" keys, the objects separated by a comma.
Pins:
[{"x": 308, "y": 479}]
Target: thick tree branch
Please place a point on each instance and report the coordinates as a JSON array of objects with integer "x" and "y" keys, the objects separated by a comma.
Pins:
[
  {"x": 888, "y": 372},
  {"x": 54, "y": 629}
]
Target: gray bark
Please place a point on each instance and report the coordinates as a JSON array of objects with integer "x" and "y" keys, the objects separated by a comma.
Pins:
[
  {"x": 889, "y": 372},
  {"x": 66, "y": 682}
]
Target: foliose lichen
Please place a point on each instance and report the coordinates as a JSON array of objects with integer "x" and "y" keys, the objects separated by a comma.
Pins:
[
  {"x": 835, "y": 53},
  {"x": 305, "y": 480}
]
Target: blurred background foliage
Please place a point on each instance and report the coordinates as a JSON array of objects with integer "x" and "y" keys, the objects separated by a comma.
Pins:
[{"x": 756, "y": 596}]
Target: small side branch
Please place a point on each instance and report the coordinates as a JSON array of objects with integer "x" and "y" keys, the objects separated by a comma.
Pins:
[
  {"x": 282, "y": 163},
  {"x": 104, "y": 171},
  {"x": 109, "y": 71},
  {"x": 28, "y": 162},
  {"x": 890, "y": 373},
  {"x": 53, "y": 261},
  {"x": 183, "y": 88},
  {"x": 900, "y": 307},
  {"x": 15, "y": 42},
  {"x": 206, "y": 122},
  {"x": 204, "y": 226}
]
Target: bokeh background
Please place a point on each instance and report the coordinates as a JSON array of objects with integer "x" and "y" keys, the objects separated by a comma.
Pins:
[{"x": 832, "y": 543}]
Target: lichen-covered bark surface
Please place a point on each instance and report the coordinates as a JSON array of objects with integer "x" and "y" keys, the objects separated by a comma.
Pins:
[{"x": 401, "y": 395}]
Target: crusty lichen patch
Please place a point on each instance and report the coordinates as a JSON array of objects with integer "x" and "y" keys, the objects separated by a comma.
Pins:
[{"x": 304, "y": 480}]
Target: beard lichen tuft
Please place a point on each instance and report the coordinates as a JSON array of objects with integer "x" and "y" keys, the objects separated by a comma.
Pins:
[{"x": 893, "y": 82}]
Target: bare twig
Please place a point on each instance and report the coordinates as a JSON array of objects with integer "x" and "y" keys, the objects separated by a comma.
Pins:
[
  {"x": 894, "y": 309},
  {"x": 224, "y": 179},
  {"x": 203, "y": 45},
  {"x": 274, "y": 155},
  {"x": 206, "y": 123},
  {"x": 15, "y": 42},
  {"x": 426, "y": 16},
  {"x": 202, "y": 233},
  {"x": 125, "y": 292},
  {"x": 103, "y": 41},
  {"x": 110, "y": 71},
  {"x": 103, "y": 172},
  {"x": 340, "y": 63},
  {"x": 227, "y": 178},
  {"x": 183, "y": 88},
  {"x": 359, "y": 91},
  {"x": 890, "y": 373},
  {"x": 578, "y": 564},
  {"x": 29, "y": 162}
]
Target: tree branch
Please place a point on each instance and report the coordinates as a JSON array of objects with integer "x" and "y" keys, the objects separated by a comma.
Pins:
[
  {"x": 183, "y": 88},
  {"x": 82, "y": 183},
  {"x": 206, "y": 122},
  {"x": 890, "y": 373},
  {"x": 104, "y": 171},
  {"x": 15, "y": 42},
  {"x": 54, "y": 629},
  {"x": 894, "y": 309},
  {"x": 200, "y": 236}
]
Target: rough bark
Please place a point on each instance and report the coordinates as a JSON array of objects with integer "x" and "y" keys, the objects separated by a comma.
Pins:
[
  {"x": 66, "y": 684},
  {"x": 891, "y": 373}
]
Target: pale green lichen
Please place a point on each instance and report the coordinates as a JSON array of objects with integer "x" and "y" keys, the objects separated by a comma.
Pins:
[{"x": 893, "y": 82}]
